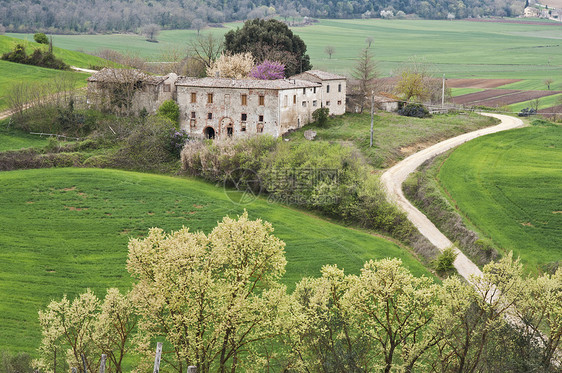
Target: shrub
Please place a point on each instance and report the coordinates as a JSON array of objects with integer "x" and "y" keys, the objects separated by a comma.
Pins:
[
  {"x": 542, "y": 122},
  {"x": 414, "y": 110},
  {"x": 170, "y": 109},
  {"x": 320, "y": 116},
  {"x": 444, "y": 262},
  {"x": 37, "y": 58},
  {"x": 41, "y": 38},
  {"x": 178, "y": 139}
]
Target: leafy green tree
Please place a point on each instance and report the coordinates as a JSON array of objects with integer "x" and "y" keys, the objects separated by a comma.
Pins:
[
  {"x": 171, "y": 110},
  {"x": 41, "y": 38},
  {"x": 269, "y": 40}
]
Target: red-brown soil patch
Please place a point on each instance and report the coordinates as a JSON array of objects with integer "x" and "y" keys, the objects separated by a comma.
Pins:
[
  {"x": 479, "y": 83},
  {"x": 475, "y": 97},
  {"x": 554, "y": 111},
  {"x": 72, "y": 208},
  {"x": 516, "y": 97}
]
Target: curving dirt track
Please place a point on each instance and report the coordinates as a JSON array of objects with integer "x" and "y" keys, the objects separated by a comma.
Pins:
[{"x": 393, "y": 178}]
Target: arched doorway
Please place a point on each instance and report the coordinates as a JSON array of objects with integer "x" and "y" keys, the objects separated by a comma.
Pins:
[
  {"x": 227, "y": 126},
  {"x": 209, "y": 132}
]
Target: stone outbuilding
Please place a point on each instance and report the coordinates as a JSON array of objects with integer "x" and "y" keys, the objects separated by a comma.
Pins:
[
  {"x": 334, "y": 88},
  {"x": 130, "y": 90}
]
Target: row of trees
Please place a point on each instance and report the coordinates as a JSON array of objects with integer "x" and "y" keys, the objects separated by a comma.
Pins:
[
  {"x": 217, "y": 302},
  {"x": 82, "y": 16}
]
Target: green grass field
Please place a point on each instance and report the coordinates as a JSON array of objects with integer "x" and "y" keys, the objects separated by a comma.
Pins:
[
  {"x": 508, "y": 186},
  {"x": 394, "y": 136},
  {"x": 13, "y": 73},
  {"x": 65, "y": 230},
  {"x": 12, "y": 139},
  {"x": 460, "y": 49}
]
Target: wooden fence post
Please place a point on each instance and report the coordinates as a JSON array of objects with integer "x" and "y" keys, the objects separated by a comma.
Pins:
[
  {"x": 157, "y": 357},
  {"x": 191, "y": 369},
  {"x": 102, "y": 363}
]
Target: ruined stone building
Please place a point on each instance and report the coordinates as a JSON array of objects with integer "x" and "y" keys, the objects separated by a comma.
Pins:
[
  {"x": 130, "y": 90},
  {"x": 218, "y": 107}
]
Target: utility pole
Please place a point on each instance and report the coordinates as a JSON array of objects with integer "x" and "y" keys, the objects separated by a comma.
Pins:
[
  {"x": 443, "y": 94},
  {"x": 372, "y": 116}
]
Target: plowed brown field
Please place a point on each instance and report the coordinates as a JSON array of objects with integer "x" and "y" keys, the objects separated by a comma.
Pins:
[
  {"x": 479, "y": 83},
  {"x": 500, "y": 97},
  {"x": 475, "y": 97}
]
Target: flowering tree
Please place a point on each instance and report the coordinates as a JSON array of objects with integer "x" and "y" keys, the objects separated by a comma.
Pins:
[
  {"x": 213, "y": 297},
  {"x": 235, "y": 66},
  {"x": 268, "y": 70}
]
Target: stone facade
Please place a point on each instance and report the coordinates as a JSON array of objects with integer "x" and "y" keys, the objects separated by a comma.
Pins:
[
  {"x": 130, "y": 90},
  {"x": 218, "y": 107},
  {"x": 334, "y": 88},
  {"x": 215, "y": 107}
]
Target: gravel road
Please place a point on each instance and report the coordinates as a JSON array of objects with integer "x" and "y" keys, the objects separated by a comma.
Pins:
[{"x": 393, "y": 178}]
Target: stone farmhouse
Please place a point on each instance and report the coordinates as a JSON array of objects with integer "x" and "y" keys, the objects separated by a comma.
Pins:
[{"x": 219, "y": 107}]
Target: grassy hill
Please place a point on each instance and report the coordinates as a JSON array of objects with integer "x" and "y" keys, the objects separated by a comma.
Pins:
[
  {"x": 508, "y": 186},
  {"x": 65, "y": 230},
  {"x": 13, "y": 73}
]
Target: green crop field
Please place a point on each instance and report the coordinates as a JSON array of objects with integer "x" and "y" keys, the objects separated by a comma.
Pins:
[
  {"x": 65, "y": 230},
  {"x": 460, "y": 49},
  {"x": 508, "y": 185}
]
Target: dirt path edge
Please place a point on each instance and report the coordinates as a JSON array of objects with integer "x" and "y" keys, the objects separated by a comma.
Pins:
[{"x": 393, "y": 178}]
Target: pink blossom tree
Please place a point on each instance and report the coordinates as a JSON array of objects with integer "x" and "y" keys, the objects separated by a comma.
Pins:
[{"x": 268, "y": 70}]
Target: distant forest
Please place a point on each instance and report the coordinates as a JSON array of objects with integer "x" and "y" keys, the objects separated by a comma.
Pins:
[{"x": 84, "y": 16}]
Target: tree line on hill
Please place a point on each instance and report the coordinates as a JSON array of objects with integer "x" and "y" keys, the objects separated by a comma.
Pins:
[{"x": 97, "y": 16}]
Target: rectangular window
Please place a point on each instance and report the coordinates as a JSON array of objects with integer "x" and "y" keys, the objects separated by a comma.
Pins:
[
  {"x": 327, "y": 103},
  {"x": 304, "y": 104},
  {"x": 243, "y": 128},
  {"x": 339, "y": 87},
  {"x": 210, "y": 116},
  {"x": 259, "y": 127},
  {"x": 192, "y": 115},
  {"x": 286, "y": 102},
  {"x": 294, "y": 99},
  {"x": 209, "y": 98},
  {"x": 167, "y": 88},
  {"x": 244, "y": 99},
  {"x": 304, "y": 91},
  {"x": 339, "y": 102},
  {"x": 314, "y": 103},
  {"x": 260, "y": 118},
  {"x": 193, "y": 97},
  {"x": 314, "y": 89},
  {"x": 262, "y": 100},
  {"x": 328, "y": 88},
  {"x": 244, "y": 117}
]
